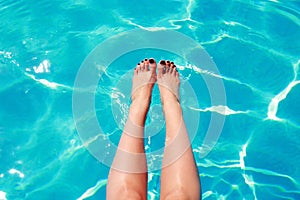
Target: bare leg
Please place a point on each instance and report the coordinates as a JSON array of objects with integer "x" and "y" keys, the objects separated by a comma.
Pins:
[
  {"x": 179, "y": 176},
  {"x": 128, "y": 174}
]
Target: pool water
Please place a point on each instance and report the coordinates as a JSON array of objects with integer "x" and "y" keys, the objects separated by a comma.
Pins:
[{"x": 254, "y": 44}]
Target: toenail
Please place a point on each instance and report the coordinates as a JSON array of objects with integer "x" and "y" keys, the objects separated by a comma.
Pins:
[
  {"x": 174, "y": 66},
  {"x": 162, "y": 62},
  {"x": 146, "y": 59},
  {"x": 151, "y": 61},
  {"x": 172, "y": 63},
  {"x": 138, "y": 63},
  {"x": 142, "y": 61},
  {"x": 168, "y": 61}
]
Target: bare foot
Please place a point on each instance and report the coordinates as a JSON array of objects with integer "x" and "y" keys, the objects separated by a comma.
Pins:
[
  {"x": 168, "y": 81},
  {"x": 143, "y": 81}
]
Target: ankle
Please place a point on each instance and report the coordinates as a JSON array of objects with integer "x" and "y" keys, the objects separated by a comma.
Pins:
[
  {"x": 169, "y": 100},
  {"x": 139, "y": 105}
]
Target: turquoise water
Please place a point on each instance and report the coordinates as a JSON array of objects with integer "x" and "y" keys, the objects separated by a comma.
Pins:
[{"x": 255, "y": 45}]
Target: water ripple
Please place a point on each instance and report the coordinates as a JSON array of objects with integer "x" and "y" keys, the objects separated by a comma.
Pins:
[
  {"x": 221, "y": 109},
  {"x": 273, "y": 106},
  {"x": 91, "y": 191}
]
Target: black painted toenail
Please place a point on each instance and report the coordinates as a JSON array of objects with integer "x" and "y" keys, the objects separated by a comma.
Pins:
[
  {"x": 138, "y": 63},
  {"x": 162, "y": 62},
  {"x": 142, "y": 61},
  {"x": 172, "y": 63},
  {"x": 174, "y": 66},
  {"x": 151, "y": 61},
  {"x": 146, "y": 59},
  {"x": 168, "y": 61}
]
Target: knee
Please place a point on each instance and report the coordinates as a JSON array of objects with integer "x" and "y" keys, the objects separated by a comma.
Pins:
[
  {"x": 178, "y": 194},
  {"x": 181, "y": 194},
  {"x": 125, "y": 193},
  {"x": 129, "y": 193}
]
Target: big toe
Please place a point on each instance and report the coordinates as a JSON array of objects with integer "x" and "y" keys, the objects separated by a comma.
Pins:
[
  {"x": 152, "y": 66},
  {"x": 161, "y": 67}
]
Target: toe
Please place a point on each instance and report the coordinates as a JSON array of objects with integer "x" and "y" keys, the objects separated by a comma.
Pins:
[
  {"x": 174, "y": 69},
  {"x": 138, "y": 68},
  {"x": 161, "y": 66},
  {"x": 146, "y": 63},
  {"x": 168, "y": 64},
  {"x": 142, "y": 65},
  {"x": 135, "y": 71},
  {"x": 152, "y": 65}
]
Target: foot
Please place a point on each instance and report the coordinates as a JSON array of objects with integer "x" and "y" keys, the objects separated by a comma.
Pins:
[
  {"x": 168, "y": 81},
  {"x": 143, "y": 81}
]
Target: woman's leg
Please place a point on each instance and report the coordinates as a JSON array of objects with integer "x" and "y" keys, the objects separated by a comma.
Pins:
[
  {"x": 179, "y": 176},
  {"x": 128, "y": 175}
]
